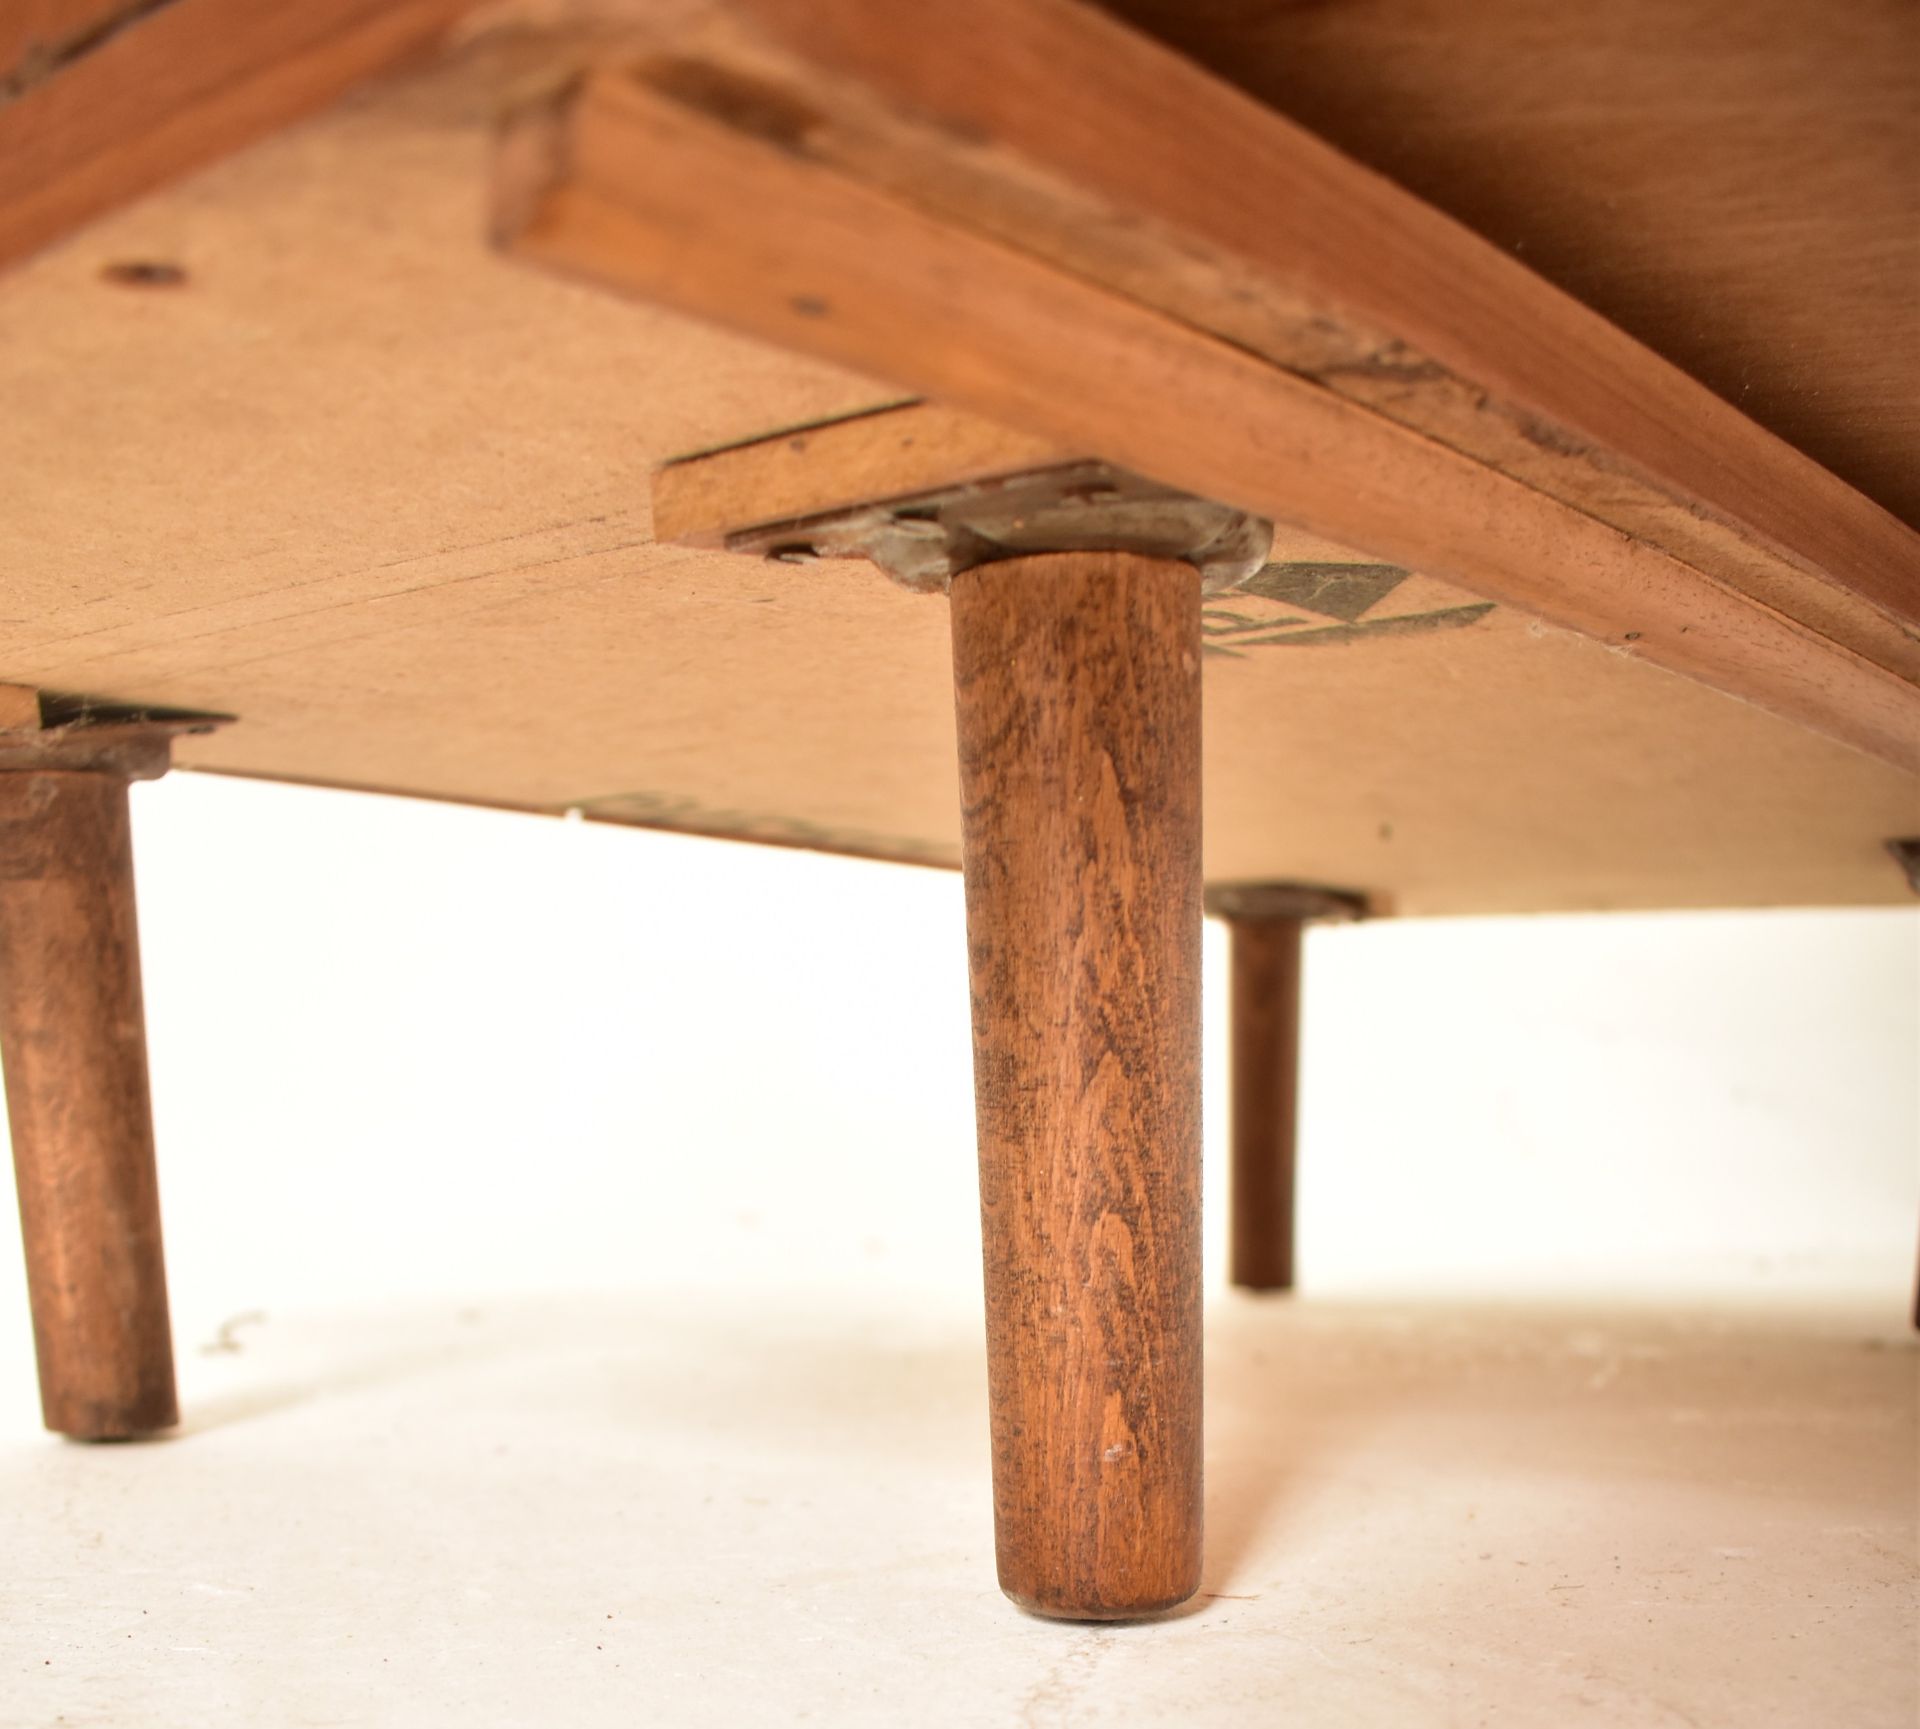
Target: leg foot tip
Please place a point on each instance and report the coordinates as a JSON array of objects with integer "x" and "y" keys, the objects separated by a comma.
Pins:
[
  {"x": 87, "y": 1427},
  {"x": 1124, "y": 1607}
]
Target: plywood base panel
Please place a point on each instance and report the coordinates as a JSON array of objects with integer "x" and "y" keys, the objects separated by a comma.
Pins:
[{"x": 320, "y": 460}]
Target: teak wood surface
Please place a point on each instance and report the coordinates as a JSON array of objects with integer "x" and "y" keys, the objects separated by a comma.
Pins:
[
  {"x": 1166, "y": 184},
  {"x": 1263, "y": 1079},
  {"x": 1077, "y": 688},
  {"x": 382, "y": 493},
  {"x": 617, "y": 185},
  {"x": 1590, "y": 590},
  {"x": 73, "y": 1035}
]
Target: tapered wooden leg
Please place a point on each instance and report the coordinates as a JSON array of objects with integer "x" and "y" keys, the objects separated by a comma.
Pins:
[
  {"x": 1264, "y": 1029},
  {"x": 1077, "y": 679},
  {"x": 73, "y": 1044}
]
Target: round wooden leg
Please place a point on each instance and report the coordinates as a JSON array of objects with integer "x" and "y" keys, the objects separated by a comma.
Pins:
[
  {"x": 1077, "y": 680},
  {"x": 73, "y": 1042},
  {"x": 1264, "y": 1030}
]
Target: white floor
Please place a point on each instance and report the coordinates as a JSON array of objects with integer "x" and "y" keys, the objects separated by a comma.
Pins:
[
  {"x": 607, "y": 1511},
  {"x": 573, "y": 1241}
]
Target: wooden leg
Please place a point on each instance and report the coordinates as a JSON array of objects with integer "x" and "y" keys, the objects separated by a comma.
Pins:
[
  {"x": 1077, "y": 680},
  {"x": 1264, "y": 1028},
  {"x": 73, "y": 1043}
]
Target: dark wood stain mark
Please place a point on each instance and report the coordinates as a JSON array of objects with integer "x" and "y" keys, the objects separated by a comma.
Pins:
[
  {"x": 143, "y": 273},
  {"x": 766, "y": 111},
  {"x": 41, "y": 60}
]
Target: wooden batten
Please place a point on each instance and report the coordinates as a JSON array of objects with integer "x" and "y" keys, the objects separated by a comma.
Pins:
[
  {"x": 807, "y": 471},
  {"x": 384, "y": 492},
  {"x": 716, "y": 496},
  {"x": 618, "y": 183},
  {"x": 1160, "y": 180},
  {"x": 121, "y": 98}
]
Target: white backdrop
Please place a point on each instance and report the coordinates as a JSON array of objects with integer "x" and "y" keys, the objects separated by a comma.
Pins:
[{"x": 407, "y": 1052}]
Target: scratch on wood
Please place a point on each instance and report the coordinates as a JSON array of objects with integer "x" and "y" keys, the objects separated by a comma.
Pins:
[{"x": 40, "y": 61}]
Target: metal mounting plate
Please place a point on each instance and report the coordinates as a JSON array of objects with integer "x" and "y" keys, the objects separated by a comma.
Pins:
[
  {"x": 923, "y": 540},
  {"x": 1250, "y": 903},
  {"x": 76, "y": 734}
]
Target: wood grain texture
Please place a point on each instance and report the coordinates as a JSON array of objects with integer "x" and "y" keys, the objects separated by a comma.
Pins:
[
  {"x": 179, "y": 86},
  {"x": 311, "y": 530},
  {"x": 700, "y": 500},
  {"x": 1729, "y": 181},
  {"x": 73, "y": 1043},
  {"x": 1155, "y": 178},
  {"x": 629, "y": 185},
  {"x": 1655, "y": 160},
  {"x": 19, "y": 708},
  {"x": 1263, "y": 1032},
  {"x": 1077, "y": 695},
  {"x": 38, "y": 37}
]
